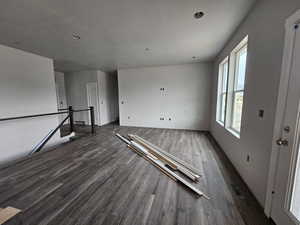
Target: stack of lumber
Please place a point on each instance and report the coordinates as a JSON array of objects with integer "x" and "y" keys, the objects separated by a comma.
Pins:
[{"x": 164, "y": 161}]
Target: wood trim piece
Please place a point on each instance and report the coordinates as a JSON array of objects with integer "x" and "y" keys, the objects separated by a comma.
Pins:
[
  {"x": 157, "y": 163},
  {"x": 156, "y": 153},
  {"x": 191, "y": 168},
  {"x": 147, "y": 159},
  {"x": 173, "y": 164},
  {"x": 8, "y": 213}
]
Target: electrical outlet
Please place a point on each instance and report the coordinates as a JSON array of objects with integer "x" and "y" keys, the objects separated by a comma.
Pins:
[
  {"x": 261, "y": 113},
  {"x": 248, "y": 158}
]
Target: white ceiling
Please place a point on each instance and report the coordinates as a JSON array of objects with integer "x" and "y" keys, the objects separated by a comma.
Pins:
[{"x": 115, "y": 33}]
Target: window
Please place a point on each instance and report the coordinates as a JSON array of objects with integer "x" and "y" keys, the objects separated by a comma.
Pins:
[
  {"x": 239, "y": 59},
  {"x": 222, "y": 91},
  {"x": 231, "y": 83}
]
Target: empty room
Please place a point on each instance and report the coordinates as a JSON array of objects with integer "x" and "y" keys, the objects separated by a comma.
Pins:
[{"x": 140, "y": 112}]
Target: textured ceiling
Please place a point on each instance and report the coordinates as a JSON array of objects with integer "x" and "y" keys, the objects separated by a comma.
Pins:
[{"x": 115, "y": 33}]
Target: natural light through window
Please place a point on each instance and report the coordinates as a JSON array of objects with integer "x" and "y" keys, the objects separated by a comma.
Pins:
[
  {"x": 295, "y": 201},
  {"x": 239, "y": 55},
  {"x": 222, "y": 91},
  {"x": 231, "y": 85},
  {"x": 238, "y": 92}
]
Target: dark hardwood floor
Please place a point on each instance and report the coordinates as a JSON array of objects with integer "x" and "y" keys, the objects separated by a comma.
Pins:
[{"x": 97, "y": 180}]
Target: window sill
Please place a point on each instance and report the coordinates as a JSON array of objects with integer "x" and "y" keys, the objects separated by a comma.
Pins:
[
  {"x": 233, "y": 132},
  {"x": 220, "y": 123}
]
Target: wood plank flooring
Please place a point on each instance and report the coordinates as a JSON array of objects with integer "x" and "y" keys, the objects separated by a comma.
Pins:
[{"x": 97, "y": 180}]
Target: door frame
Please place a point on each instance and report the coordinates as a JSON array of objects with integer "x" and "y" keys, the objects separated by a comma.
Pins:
[
  {"x": 98, "y": 105},
  {"x": 280, "y": 108}
]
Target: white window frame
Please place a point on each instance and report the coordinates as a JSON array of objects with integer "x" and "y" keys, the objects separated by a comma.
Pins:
[
  {"x": 221, "y": 92},
  {"x": 233, "y": 73}
]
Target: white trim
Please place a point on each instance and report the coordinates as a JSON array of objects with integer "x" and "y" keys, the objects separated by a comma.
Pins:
[
  {"x": 220, "y": 91},
  {"x": 224, "y": 60},
  {"x": 97, "y": 108},
  {"x": 240, "y": 45},
  {"x": 233, "y": 132},
  {"x": 280, "y": 109},
  {"x": 293, "y": 218},
  {"x": 220, "y": 123},
  {"x": 233, "y": 74}
]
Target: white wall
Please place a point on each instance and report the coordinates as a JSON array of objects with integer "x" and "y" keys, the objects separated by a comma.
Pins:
[
  {"x": 185, "y": 99},
  {"x": 26, "y": 87},
  {"x": 265, "y": 27},
  {"x": 108, "y": 97}
]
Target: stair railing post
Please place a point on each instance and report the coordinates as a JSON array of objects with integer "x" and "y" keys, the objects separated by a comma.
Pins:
[
  {"x": 92, "y": 115},
  {"x": 71, "y": 119}
]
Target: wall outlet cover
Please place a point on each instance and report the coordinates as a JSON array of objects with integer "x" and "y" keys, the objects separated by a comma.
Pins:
[
  {"x": 248, "y": 158},
  {"x": 261, "y": 113}
]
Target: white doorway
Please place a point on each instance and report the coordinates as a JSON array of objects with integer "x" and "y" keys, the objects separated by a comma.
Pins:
[
  {"x": 60, "y": 103},
  {"x": 60, "y": 94},
  {"x": 92, "y": 100},
  {"x": 283, "y": 198}
]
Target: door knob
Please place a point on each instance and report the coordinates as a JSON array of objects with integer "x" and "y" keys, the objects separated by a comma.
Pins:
[{"x": 282, "y": 142}]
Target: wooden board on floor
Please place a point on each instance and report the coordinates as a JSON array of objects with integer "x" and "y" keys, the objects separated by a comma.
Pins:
[{"x": 7, "y": 213}]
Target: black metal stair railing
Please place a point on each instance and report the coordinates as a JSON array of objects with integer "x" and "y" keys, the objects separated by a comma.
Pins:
[{"x": 70, "y": 111}]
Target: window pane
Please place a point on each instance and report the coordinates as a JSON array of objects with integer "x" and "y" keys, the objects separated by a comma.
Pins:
[
  {"x": 223, "y": 107},
  {"x": 237, "y": 110},
  {"x": 241, "y": 69},
  {"x": 222, "y": 91},
  {"x": 295, "y": 203},
  {"x": 225, "y": 73}
]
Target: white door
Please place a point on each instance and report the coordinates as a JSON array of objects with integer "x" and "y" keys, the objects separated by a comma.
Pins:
[
  {"x": 92, "y": 99},
  {"x": 286, "y": 199}
]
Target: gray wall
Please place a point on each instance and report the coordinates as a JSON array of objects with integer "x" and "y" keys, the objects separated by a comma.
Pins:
[
  {"x": 185, "y": 98},
  {"x": 265, "y": 27},
  {"x": 26, "y": 87},
  {"x": 77, "y": 93},
  {"x": 107, "y": 93},
  {"x": 108, "y": 97}
]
